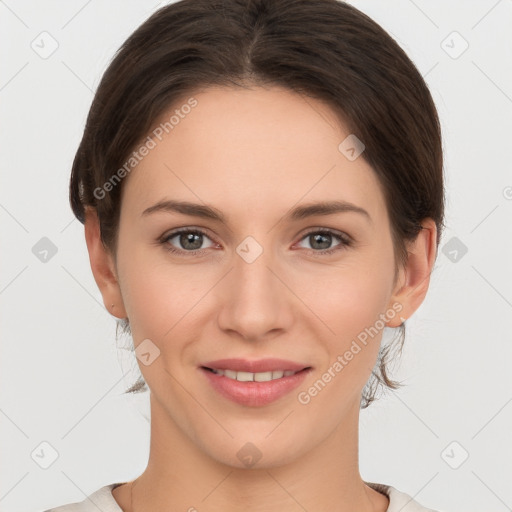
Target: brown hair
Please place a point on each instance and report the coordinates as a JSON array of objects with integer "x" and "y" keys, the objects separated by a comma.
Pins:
[{"x": 324, "y": 49}]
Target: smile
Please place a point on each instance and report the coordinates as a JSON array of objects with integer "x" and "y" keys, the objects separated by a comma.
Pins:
[{"x": 253, "y": 389}]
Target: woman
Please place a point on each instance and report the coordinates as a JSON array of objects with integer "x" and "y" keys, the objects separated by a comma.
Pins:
[{"x": 261, "y": 186}]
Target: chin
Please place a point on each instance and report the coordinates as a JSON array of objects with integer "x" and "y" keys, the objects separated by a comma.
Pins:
[{"x": 256, "y": 451}]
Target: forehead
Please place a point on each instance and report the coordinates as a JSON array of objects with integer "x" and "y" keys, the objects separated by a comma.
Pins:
[{"x": 251, "y": 150}]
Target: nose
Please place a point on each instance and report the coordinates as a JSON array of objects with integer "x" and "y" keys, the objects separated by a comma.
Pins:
[{"x": 255, "y": 301}]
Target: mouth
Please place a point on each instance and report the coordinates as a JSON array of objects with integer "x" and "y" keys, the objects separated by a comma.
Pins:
[{"x": 254, "y": 383}]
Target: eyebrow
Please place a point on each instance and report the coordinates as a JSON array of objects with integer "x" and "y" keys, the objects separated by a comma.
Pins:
[{"x": 298, "y": 213}]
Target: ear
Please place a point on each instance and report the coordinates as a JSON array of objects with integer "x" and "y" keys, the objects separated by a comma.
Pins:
[
  {"x": 102, "y": 265},
  {"x": 414, "y": 277}
]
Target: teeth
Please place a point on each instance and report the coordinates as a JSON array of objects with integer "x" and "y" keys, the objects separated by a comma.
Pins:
[
  {"x": 227, "y": 373},
  {"x": 257, "y": 377},
  {"x": 244, "y": 376},
  {"x": 264, "y": 376}
]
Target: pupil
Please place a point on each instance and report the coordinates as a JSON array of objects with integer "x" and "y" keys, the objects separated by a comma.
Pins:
[
  {"x": 326, "y": 238},
  {"x": 185, "y": 239}
]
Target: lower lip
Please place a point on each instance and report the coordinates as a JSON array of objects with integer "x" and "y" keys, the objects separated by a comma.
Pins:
[{"x": 252, "y": 393}]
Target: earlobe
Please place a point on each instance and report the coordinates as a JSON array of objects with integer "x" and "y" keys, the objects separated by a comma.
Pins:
[
  {"x": 414, "y": 278},
  {"x": 102, "y": 266}
]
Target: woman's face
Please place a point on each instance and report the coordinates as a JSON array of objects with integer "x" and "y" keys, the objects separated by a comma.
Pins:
[{"x": 261, "y": 283}]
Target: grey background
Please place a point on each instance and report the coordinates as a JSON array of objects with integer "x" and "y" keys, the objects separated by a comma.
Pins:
[{"x": 62, "y": 377}]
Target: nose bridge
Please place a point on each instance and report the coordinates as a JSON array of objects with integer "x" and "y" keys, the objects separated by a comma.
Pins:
[
  {"x": 252, "y": 277},
  {"x": 255, "y": 300}
]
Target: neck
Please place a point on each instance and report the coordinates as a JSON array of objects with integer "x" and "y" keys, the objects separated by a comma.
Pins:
[{"x": 181, "y": 476}]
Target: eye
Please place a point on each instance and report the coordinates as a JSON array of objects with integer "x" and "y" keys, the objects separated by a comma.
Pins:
[
  {"x": 320, "y": 241},
  {"x": 189, "y": 239}
]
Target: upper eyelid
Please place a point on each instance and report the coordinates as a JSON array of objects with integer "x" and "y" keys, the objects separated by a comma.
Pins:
[
  {"x": 330, "y": 231},
  {"x": 177, "y": 231}
]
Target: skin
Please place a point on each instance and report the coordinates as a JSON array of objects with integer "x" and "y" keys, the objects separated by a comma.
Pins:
[{"x": 254, "y": 154}]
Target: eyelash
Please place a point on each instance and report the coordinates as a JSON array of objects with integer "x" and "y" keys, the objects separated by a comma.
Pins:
[{"x": 345, "y": 240}]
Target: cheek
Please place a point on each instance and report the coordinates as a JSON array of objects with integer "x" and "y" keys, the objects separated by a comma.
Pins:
[
  {"x": 351, "y": 296},
  {"x": 160, "y": 296},
  {"x": 350, "y": 304},
  {"x": 361, "y": 297}
]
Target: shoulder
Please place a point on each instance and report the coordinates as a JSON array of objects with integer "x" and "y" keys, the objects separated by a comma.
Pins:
[
  {"x": 101, "y": 499},
  {"x": 398, "y": 501}
]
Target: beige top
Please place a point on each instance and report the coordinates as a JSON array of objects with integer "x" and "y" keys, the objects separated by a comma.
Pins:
[{"x": 103, "y": 500}]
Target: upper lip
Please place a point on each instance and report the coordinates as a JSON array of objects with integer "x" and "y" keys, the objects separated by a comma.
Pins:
[{"x": 257, "y": 366}]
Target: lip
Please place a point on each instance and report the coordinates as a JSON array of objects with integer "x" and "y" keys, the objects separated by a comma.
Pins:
[
  {"x": 261, "y": 365},
  {"x": 255, "y": 394}
]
